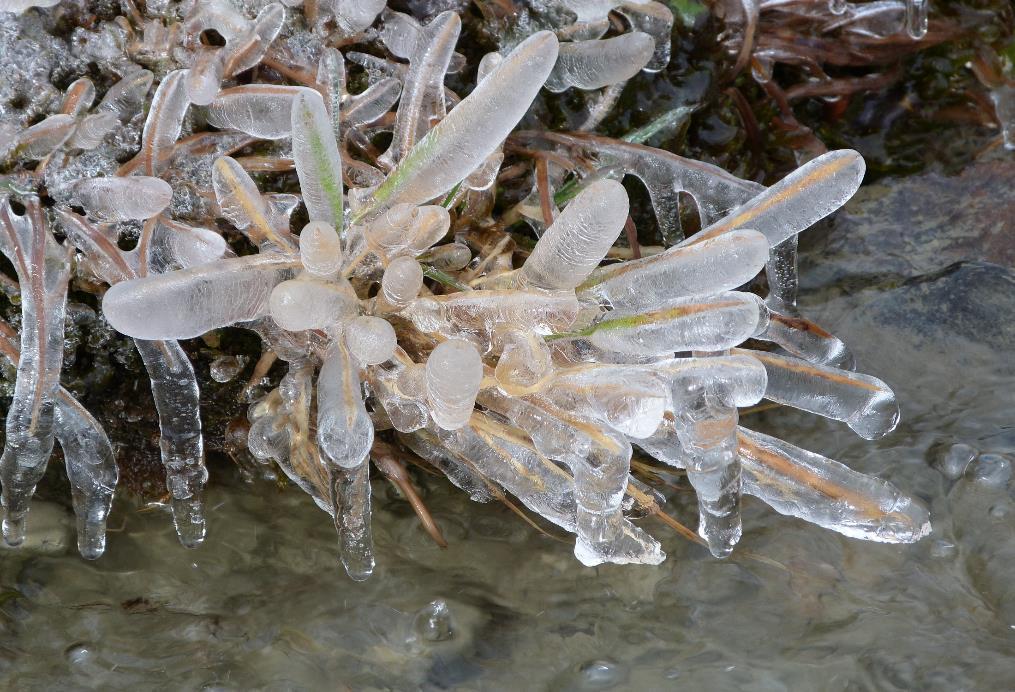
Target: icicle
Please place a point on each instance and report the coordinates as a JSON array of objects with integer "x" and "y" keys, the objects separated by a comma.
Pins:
[{"x": 916, "y": 18}]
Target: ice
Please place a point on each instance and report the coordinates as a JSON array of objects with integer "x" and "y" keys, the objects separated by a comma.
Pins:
[
  {"x": 783, "y": 281},
  {"x": 120, "y": 199},
  {"x": 165, "y": 120},
  {"x": 19, "y": 6},
  {"x": 798, "y": 201},
  {"x": 803, "y": 484},
  {"x": 479, "y": 313},
  {"x": 656, "y": 20},
  {"x": 320, "y": 249},
  {"x": 260, "y": 110},
  {"x": 684, "y": 324},
  {"x": 916, "y": 18},
  {"x": 331, "y": 77},
  {"x": 865, "y": 403},
  {"x": 372, "y": 104},
  {"x": 591, "y": 10},
  {"x": 174, "y": 245},
  {"x": 92, "y": 130},
  {"x": 318, "y": 162},
  {"x": 191, "y": 302},
  {"x": 423, "y": 94},
  {"x": 41, "y": 139},
  {"x": 629, "y": 398},
  {"x": 405, "y": 229},
  {"x": 454, "y": 371},
  {"x": 578, "y": 239},
  {"x": 177, "y": 400},
  {"x": 126, "y": 97},
  {"x": 600, "y": 63},
  {"x": 525, "y": 364},
  {"x": 242, "y": 204},
  {"x": 244, "y": 52},
  {"x": 344, "y": 430},
  {"x": 350, "y": 497},
  {"x": 204, "y": 77},
  {"x": 715, "y": 265},
  {"x": 666, "y": 175},
  {"x": 43, "y": 270},
  {"x": 88, "y": 457},
  {"x": 301, "y": 304},
  {"x": 354, "y": 16},
  {"x": 450, "y": 257},
  {"x": 402, "y": 281},
  {"x": 806, "y": 340},
  {"x": 400, "y": 33},
  {"x": 371, "y": 340},
  {"x": 1003, "y": 96},
  {"x": 837, "y": 6},
  {"x": 473, "y": 129}
]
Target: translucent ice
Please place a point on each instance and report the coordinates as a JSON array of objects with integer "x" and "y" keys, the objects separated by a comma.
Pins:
[
  {"x": 165, "y": 120},
  {"x": 814, "y": 488},
  {"x": 191, "y": 302},
  {"x": 402, "y": 281},
  {"x": 344, "y": 430},
  {"x": 453, "y": 374},
  {"x": 578, "y": 239},
  {"x": 371, "y": 340},
  {"x": 320, "y": 249},
  {"x": 260, "y": 110},
  {"x": 600, "y": 63},
  {"x": 301, "y": 304},
  {"x": 119, "y": 199},
  {"x": 317, "y": 159}
]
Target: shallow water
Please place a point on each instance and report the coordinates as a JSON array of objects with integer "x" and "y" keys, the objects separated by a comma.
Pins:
[{"x": 265, "y": 604}]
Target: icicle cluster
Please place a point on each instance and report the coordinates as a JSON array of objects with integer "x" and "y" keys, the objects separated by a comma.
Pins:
[{"x": 408, "y": 315}]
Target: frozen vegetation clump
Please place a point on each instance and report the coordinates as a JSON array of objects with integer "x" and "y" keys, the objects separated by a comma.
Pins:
[{"x": 393, "y": 272}]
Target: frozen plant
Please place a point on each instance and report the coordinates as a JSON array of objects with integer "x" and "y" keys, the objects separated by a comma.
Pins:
[{"x": 411, "y": 314}]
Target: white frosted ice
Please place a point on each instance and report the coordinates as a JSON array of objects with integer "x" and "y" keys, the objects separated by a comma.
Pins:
[{"x": 453, "y": 374}]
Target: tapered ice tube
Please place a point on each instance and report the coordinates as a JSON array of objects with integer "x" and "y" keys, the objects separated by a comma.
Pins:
[
  {"x": 806, "y": 485},
  {"x": 863, "y": 402}
]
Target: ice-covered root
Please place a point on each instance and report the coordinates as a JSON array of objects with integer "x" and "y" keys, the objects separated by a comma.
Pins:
[
  {"x": 802, "y": 484},
  {"x": 350, "y": 498},
  {"x": 595, "y": 64},
  {"x": 863, "y": 402},
  {"x": 578, "y": 239},
  {"x": 454, "y": 372}
]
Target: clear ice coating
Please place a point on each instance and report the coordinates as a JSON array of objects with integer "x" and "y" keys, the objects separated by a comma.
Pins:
[
  {"x": 454, "y": 372},
  {"x": 120, "y": 199},
  {"x": 600, "y": 63},
  {"x": 523, "y": 366},
  {"x": 318, "y": 162},
  {"x": 473, "y": 129},
  {"x": 578, "y": 239},
  {"x": 43, "y": 269}
]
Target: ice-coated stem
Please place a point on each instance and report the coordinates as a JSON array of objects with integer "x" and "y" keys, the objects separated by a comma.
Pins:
[
  {"x": 43, "y": 270},
  {"x": 318, "y": 162}
]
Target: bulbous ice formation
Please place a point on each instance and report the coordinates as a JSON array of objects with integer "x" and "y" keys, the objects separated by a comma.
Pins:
[
  {"x": 300, "y": 304},
  {"x": 578, "y": 240},
  {"x": 454, "y": 371},
  {"x": 320, "y": 249},
  {"x": 371, "y": 340},
  {"x": 402, "y": 281}
]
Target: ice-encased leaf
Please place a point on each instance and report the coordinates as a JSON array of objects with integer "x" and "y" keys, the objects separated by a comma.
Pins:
[
  {"x": 260, "y": 110},
  {"x": 191, "y": 302},
  {"x": 473, "y": 129},
  {"x": 165, "y": 120},
  {"x": 318, "y": 162},
  {"x": 600, "y": 63},
  {"x": 799, "y": 483},
  {"x": 798, "y": 201},
  {"x": 242, "y": 204},
  {"x": 122, "y": 198},
  {"x": 578, "y": 239}
]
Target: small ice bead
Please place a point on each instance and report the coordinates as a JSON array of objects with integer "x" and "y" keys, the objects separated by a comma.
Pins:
[
  {"x": 402, "y": 281},
  {"x": 297, "y": 305},
  {"x": 371, "y": 340},
  {"x": 837, "y": 6},
  {"x": 579, "y": 238},
  {"x": 454, "y": 372},
  {"x": 320, "y": 249},
  {"x": 916, "y": 18}
]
